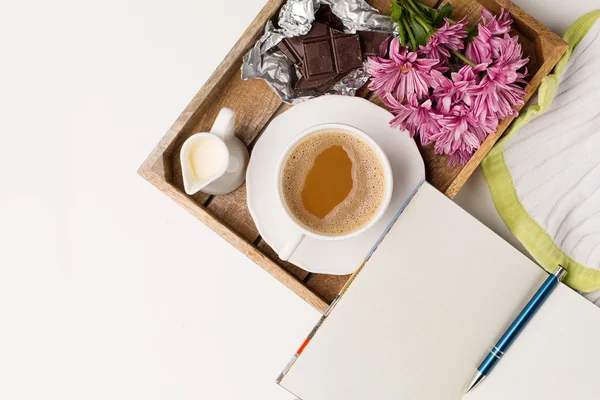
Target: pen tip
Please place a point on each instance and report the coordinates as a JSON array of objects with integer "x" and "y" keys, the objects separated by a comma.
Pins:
[{"x": 478, "y": 377}]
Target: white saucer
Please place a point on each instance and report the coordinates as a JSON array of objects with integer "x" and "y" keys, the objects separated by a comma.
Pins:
[{"x": 339, "y": 257}]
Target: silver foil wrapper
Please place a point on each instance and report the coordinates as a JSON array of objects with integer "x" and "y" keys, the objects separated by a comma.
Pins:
[
  {"x": 296, "y": 16},
  {"x": 264, "y": 61},
  {"x": 358, "y": 15}
]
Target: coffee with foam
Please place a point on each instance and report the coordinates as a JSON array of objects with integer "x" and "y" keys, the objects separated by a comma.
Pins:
[{"x": 333, "y": 183}]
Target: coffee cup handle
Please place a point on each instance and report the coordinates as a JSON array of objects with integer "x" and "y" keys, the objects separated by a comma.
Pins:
[{"x": 290, "y": 247}]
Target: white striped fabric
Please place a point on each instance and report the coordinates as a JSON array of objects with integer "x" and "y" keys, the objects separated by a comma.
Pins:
[{"x": 554, "y": 160}]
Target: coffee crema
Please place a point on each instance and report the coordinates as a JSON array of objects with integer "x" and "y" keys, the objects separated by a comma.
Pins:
[{"x": 333, "y": 183}]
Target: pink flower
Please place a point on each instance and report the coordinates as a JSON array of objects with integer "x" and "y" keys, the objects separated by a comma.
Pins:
[
  {"x": 500, "y": 90},
  {"x": 490, "y": 32},
  {"x": 497, "y": 25},
  {"x": 447, "y": 37},
  {"x": 480, "y": 49},
  {"x": 403, "y": 74},
  {"x": 498, "y": 98},
  {"x": 509, "y": 57},
  {"x": 462, "y": 86},
  {"x": 453, "y": 110},
  {"x": 460, "y": 131},
  {"x": 414, "y": 117},
  {"x": 486, "y": 127}
]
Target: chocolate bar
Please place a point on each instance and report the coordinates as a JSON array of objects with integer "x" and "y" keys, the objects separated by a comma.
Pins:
[
  {"x": 326, "y": 54},
  {"x": 324, "y": 51}
]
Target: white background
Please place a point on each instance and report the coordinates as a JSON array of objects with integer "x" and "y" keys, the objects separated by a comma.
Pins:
[{"x": 108, "y": 289}]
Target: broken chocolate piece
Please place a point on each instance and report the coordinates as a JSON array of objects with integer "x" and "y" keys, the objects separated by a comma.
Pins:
[
  {"x": 319, "y": 58},
  {"x": 348, "y": 55},
  {"x": 333, "y": 53},
  {"x": 293, "y": 47},
  {"x": 290, "y": 51},
  {"x": 370, "y": 41},
  {"x": 318, "y": 85},
  {"x": 326, "y": 16}
]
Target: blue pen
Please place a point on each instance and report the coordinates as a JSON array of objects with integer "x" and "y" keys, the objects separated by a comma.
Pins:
[{"x": 517, "y": 326}]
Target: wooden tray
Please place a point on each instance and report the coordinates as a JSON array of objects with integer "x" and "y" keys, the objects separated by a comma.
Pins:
[{"x": 256, "y": 104}]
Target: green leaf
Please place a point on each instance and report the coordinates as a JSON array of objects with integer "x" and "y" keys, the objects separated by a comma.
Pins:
[
  {"x": 402, "y": 32},
  {"x": 419, "y": 32},
  {"x": 433, "y": 14},
  {"x": 396, "y": 11},
  {"x": 444, "y": 12}
]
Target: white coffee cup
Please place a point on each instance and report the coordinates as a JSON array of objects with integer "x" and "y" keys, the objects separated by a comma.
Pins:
[{"x": 302, "y": 231}]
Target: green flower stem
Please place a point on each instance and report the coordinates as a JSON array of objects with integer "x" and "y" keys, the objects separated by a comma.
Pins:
[
  {"x": 413, "y": 42},
  {"x": 462, "y": 57},
  {"x": 428, "y": 28},
  {"x": 423, "y": 6},
  {"x": 412, "y": 7}
]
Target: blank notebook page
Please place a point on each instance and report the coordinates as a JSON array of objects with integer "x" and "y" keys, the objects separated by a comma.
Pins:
[{"x": 424, "y": 311}]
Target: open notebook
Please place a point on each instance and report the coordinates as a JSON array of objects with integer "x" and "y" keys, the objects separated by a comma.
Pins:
[{"x": 426, "y": 308}]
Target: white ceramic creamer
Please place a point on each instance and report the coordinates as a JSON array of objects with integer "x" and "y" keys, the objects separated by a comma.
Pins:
[{"x": 214, "y": 163}]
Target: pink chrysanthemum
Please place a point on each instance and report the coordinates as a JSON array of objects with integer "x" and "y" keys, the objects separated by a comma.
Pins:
[
  {"x": 414, "y": 117},
  {"x": 509, "y": 55},
  {"x": 447, "y": 37},
  {"x": 462, "y": 132},
  {"x": 459, "y": 131},
  {"x": 480, "y": 49},
  {"x": 498, "y": 98},
  {"x": 486, "y": 127},
  {"x": 462, "y": 86},
  {"x": 497, "y": 25},
  {"x": 403, "y": 74},
  {"x": 490, "y": 31},
  {"x": 458, "y": 110},
  {"x": 500, "y": 90}
]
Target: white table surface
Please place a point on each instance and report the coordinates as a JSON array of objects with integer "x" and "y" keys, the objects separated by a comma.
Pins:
[{"x": 108, "y": 289}]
